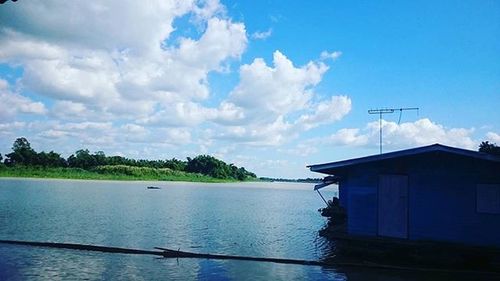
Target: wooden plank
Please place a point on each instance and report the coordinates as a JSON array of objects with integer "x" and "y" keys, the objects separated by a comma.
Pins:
[{"x": 393, "y": 206}]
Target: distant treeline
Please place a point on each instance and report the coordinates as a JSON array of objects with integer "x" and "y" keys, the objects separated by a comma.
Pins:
[
  {"x": 23, "y": 155},
  {"x": 308, "y": 180}
]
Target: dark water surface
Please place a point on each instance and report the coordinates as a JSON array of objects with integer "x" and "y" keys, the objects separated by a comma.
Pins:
[{"x": 253, "y": 219}]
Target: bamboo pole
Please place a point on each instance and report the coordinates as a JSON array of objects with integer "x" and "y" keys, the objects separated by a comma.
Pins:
[{"x": 168, "y": 253}]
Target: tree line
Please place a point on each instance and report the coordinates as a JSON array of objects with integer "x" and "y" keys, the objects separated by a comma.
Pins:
[
  {"x": 490, "y": 148},
  {"x": 23, "y": 154}
]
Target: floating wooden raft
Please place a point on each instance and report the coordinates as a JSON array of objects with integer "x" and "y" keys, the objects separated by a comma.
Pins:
[
  {"x": 82, "y": 247},
  {"x": 168, "y": 253}
]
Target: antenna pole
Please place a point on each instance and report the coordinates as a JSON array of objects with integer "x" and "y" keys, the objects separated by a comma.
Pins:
[
  {"x": 380, "y": 127},
  {"x": 381, "y": 111}
]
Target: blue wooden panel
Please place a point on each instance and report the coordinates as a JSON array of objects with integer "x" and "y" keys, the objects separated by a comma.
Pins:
[
  {"x": 488, "y": 198},
  {"x": 362, "y": 211},
  {"x": 393, "y": 206},
  {"x": 343, "y": 194},
  {"x": 443, "y": 206}
]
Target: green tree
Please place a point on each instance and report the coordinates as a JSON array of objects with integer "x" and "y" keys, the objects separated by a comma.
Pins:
[
  {"x": 208, "y": 165},
  {"x": 175, "y": 164},
  {"x": 22, "y": 153},
  {"x": 211, "y": 166},
  {"x": 51, "y": 159},
  {"x": 100, "y": 158},
  {"x": 82, "y": 159},
  {"x": 490, "y": 148}
]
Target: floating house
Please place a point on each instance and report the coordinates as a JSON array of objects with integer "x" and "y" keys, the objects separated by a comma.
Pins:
[{"x": 430, "y": 193}]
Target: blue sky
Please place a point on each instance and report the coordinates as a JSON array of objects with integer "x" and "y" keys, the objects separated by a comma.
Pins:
[{"x": 268, "y": 85}]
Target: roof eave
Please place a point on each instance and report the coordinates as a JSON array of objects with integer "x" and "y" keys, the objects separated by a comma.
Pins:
[{"x": 323, "y": 168}]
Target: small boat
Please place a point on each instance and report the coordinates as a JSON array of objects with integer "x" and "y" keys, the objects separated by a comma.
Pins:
[{"x": 154, "y": 187}]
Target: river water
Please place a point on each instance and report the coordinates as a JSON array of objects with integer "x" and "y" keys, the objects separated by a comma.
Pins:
[{"x": 253, "y": 219}]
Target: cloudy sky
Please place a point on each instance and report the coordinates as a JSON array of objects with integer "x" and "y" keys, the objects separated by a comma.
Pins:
[{"x": 268, "y": 85}]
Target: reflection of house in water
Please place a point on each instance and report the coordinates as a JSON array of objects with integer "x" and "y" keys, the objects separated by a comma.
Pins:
[{"x": 434, "y": 192}]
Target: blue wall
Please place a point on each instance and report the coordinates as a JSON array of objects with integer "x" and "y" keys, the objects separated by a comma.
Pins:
[
  {"x": 362, "y": 201},
  {"x": 443, "y": 203},
  {"x": 442, "y": 198}
]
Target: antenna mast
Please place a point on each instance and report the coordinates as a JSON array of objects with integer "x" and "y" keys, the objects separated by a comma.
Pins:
[{"x": 381, "y": 111}]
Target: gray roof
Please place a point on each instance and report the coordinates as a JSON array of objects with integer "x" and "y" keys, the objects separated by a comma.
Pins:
[{"x": 403, "y": 153}]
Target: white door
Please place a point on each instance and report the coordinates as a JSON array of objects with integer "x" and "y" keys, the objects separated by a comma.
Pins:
[{"x": 393, "y": 206}]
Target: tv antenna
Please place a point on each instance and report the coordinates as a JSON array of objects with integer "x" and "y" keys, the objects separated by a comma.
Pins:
[{"x": 381, "y": 111}]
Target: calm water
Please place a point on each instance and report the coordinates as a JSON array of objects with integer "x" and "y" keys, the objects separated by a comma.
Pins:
[{"x": 255, "y": 219}]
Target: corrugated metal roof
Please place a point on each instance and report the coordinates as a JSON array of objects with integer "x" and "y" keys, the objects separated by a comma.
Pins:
[{"x": 404, "y": 153}]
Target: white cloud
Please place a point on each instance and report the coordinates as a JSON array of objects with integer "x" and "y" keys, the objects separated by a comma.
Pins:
[
  {"x": 177, "y": 136},
  {"x": 333, "y": 55},
  {"x": 424, "y": 132},
  {"x": 269, "y": 99},
  {"x": 75, "y": 111},
  {"x": 326, "y": 112},
  {"x": 85, "y": 126},
  {"x": 4, "y": 127},
  {"x": 229, "y": 113},
  {"x": 14, "y": 103},
  {"x": 90, "y": 80},
  {"x": 53, "y": 134},
  {"x": 411, "y": 134},
  {"x": 179, "y": 114},
  {"x": 351, "y": 137},
  {"x": 20, "y": 48},
  {"x": 276, "y": 90},
  {"x": 208, "y": 9},
  {"x": 270, "y": 134},
  {"x": 261, "y": 35},
  {"x": 134, "y": 129},
  {"x": 493, "y": 137},
  {"x": 126, "y": 75},
  {"x": 138, "y": 25},
  {"x": 222, "y": 39}
]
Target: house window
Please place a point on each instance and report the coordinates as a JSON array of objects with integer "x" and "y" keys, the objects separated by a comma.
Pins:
[{"x": 488, "y": 198}]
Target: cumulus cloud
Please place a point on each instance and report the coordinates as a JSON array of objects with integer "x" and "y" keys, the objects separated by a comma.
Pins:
[
  {"x": 14, "y": 103},
  {"x": 276, "y": 90},
  {"x": 177, "y": 136},
  {"x": 181, "y": 114},
  {"x": 133, "y": 24},
  {"x": 405, "y": 135},
  {"x": 69, "y": 58},
  {"x": 268, "y": 97},
  {"x": 351, "y": 137},
  {"x": 493, "y": 137},
  {"x": 326, "y": 112}
]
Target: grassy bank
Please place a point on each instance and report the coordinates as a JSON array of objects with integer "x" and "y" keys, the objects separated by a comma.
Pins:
[{"x": 117, "y": 172}]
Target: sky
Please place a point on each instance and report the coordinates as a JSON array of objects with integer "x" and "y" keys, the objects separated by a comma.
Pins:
[{"x": 272, "y": 86}]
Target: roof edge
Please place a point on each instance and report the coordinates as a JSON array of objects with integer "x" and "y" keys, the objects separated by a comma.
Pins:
[{"x": 403, "y": 153}]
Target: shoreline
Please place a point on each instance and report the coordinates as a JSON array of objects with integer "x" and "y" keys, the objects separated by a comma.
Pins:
[
  {"x": 166, "y": 184},
  {"x": 128, "y": 174},
  {"x": 97, "y": 180},
  {"x": 118, "y": 180}
]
